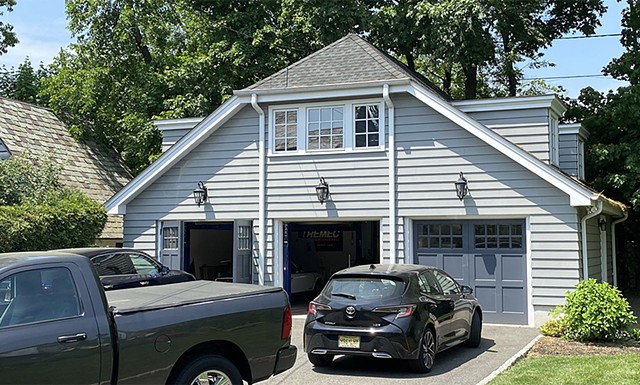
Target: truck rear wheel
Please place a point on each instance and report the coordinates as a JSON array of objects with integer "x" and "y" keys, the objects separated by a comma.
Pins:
[{"x": 209, "y": 369}]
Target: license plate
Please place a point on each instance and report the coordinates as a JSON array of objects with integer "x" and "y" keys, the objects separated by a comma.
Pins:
[{"x": 349, "y": 342}]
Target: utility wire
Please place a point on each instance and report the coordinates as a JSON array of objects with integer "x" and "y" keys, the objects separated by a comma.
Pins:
[
  {"x": 589, "y": 36},
  {"x": 567, "y": 77}
]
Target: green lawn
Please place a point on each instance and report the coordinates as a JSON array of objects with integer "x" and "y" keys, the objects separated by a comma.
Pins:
[{"x": 623, "y": 369}]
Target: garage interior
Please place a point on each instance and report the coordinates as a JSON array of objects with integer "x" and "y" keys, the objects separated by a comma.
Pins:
[
  {"x": 209, "y": 250},
  {"x": 324, "y": 248}
]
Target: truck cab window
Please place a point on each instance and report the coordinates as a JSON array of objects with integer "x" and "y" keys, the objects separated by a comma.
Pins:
[{"x": 37, "y": 296}]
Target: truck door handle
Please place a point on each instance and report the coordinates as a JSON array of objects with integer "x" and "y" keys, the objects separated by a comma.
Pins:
[{"x": 72, "y": 338}]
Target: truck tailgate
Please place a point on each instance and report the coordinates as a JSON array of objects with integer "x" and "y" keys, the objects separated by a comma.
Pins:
[{"x": 179, "y": 294}]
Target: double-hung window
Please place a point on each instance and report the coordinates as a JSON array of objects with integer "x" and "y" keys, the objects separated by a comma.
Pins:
[{"x": 323, "y": 127}]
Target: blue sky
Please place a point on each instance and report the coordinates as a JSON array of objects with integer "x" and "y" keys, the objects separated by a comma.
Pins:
[{"x": 41, "y": 28}]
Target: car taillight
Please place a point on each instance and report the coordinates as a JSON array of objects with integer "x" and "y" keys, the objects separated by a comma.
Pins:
[
  {"x": 287, "y": 323},
  {"x": 314, "y": 307},
  {"x": 401, "y": 311}
]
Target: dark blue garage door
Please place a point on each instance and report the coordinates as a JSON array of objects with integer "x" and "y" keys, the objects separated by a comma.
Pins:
[{"x": 489, "y": 256}]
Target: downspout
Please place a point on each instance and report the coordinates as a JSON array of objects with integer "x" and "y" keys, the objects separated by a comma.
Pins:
[
  {"x": 613, "y": 246},
  {"x": 585, "y": 254},
  {"x": 261, "y": 189},
  {"x": 392, "y": 175}
]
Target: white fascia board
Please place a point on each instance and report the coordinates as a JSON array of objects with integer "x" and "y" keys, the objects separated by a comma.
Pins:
[
  {"x": 177, "y": 124},
  {"x": 578, "y": 195},
  {"x": 118, "y": 203},
  {"x": 512, "y": 103},
  {"x": 573, "y": 128},
  {"x": 347, "y": 90}
]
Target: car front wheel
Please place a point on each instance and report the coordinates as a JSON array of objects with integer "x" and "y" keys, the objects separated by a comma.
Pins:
[
  {"x": 475, "y": 333},
  {"x": 426, "y": 358}
]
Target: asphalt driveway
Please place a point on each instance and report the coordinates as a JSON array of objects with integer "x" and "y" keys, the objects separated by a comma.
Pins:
[{"x": 458, "y": 365}]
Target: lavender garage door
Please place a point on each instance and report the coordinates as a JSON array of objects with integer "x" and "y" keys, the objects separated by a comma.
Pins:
[{"x": 487, "y": 255}]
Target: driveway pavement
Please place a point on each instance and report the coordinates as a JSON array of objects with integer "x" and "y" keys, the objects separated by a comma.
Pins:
[{"x": 456, "y": 366}]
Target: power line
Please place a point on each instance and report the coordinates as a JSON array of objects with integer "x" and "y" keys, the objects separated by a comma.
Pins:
[
  {"x": 568, "y": 77},
  {"x": 589, "y": 36}
]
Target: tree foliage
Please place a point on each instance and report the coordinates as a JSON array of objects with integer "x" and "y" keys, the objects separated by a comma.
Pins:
[
  {"x": 612, "y": 152},
  {"x": 38, "y": 213},
  {"x": 8, "y": 38},
  {"x": 24, "y": 84}
]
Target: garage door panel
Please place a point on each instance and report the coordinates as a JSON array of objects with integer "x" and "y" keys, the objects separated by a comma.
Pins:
[
  {"x": 512, "y": 300},
  {"x": 486, "y": 295},
  {"x": 485, "y": 267},
  {"x": 512, "y": 267},
  {"x": 455, "y": 266},
  {"x": 430, "y": 259}
]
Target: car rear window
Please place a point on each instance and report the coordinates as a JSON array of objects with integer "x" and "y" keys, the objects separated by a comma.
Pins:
[{"x": 364, "y": 287}]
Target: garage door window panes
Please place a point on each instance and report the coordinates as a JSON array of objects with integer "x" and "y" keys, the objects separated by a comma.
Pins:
[
  {"x": 440, "y": 236},
  {"x": 498, "y": 236}
]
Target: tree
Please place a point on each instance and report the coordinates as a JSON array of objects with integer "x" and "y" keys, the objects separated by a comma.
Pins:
[
  {"x": 25, "y": 84},
  {"x": 613, "y": 148},
  {"x": 8, "y": 38}
]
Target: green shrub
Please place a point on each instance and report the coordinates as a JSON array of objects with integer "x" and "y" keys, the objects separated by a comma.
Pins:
[
  {"x": 67, "y": 218},
  {"x": 635, "y": 334},
  {"x": 596, "y": 311},
  {"x": 555, "y": 327}
]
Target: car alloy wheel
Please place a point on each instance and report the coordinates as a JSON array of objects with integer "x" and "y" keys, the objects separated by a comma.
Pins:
[{"x": 426, "y": 358}]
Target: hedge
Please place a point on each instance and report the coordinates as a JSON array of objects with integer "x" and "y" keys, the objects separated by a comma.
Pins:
[{"x": 66, "y": 218}]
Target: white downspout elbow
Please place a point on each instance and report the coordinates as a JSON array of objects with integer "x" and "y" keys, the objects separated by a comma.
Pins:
[
  {"x": 585, "y": 254},
  {"x": 392, "y": 176},
  {"x": 613, "y": 246},
  {"x": 261, "y": 191}
]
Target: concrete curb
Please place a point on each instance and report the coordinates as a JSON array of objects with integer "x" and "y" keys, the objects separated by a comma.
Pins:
[{"x": 510, "y": 361}]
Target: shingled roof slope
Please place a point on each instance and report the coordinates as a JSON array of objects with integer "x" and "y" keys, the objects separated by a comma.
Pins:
[
  {"x": 349, "y": 60},
  {"x": 96, "y": 171}
]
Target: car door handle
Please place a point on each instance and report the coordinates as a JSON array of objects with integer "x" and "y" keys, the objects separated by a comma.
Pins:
[{"x": 72, "y": 338}]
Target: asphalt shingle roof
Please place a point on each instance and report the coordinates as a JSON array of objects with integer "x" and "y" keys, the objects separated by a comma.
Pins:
[
  {"x": 96, "y": 171},
  {"x": 349, "y": 60}
]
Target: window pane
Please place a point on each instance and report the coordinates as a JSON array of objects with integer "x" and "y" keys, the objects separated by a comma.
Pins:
[
  {"x": 434, "y": 229},
  {"x": 456, "y": 229},
  {"x": 373, "y": 140},
  {"x": 279, "y": 147},
  {"x": 314, "y": 143},
  {"x": 504, "y": 229},
  {"x": 361, "y": 126},
  {"x": 292, "y": 144},
  {"x": 516, "y": 242},
  {"x": 314, "y": 115},
  {"x": 280, "y": 130},
  {"x": 292, "y": 116},
  {"x": 492, "y": 243},
  {"x": 516, "y": 229},
  {"x": 325, "y": 115},
  {"x": 337, "y": 113},
  {"x": 479, "y": 229},
  {"x": 423, "y": 242},
  {"x": 457, "y": 242},
  {"x": 422, "y": 229},
  {"x": 292, "y": 131},
  {"x": 372, "y": 111},
  {"x": 361, "y": 112},
  {"x": 325, "y": 142},
  {"x": 280, "y": 115},
  {"x": 337, "y": 142},
  {"x": 373, "y": 126},
  {"x": 445, "y": 229},
  {"x": 504, "y": 243},
  {"x": 361, "y": 141}
]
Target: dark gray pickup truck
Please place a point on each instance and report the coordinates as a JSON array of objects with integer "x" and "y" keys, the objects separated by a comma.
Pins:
[{"x": 57, "y": 326}]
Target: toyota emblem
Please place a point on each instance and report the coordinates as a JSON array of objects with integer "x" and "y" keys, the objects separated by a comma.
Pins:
[{"x": 350, "y": 311}]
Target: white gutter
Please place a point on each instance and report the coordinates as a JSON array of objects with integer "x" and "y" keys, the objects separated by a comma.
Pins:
[
  {"x": 585, "y": 254},
  {"x": 613, "y": 246},
  {"x": 261, "y": 190},
  {"x": 392, "y": 175}
]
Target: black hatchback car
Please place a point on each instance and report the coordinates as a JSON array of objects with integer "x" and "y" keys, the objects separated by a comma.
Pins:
[
  {"x": 125, "y": 268},
  {"x": 408, "y": 312}
]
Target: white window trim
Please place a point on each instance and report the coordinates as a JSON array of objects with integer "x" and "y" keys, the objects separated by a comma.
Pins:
[{"x": 348, "y": 135}]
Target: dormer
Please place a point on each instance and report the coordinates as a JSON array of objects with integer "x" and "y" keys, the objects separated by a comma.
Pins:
[
  {"x": 174, "y": 129},
  {"x": 572, "y": 138},
  {"x": 530, "y": 122}
]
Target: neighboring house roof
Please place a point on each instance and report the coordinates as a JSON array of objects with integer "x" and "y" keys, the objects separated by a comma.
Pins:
[
  {"x": 96, "y": 171},
  {"x": 346, "y": 68}
]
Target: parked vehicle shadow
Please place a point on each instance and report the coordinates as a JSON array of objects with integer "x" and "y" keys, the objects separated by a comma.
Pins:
[
  {"x": 383, "y": 368},
  {"x": 300, "y": 303}
]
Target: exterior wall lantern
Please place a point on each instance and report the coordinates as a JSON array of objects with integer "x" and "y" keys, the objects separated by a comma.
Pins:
[
  {"x": 462, "y": 188},
  {"x": 322, "y": 191},
  {"x": 200, "y": 194}
]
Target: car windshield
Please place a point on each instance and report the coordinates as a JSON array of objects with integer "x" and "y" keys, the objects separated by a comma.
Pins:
[{"x": 364, "y": 288}]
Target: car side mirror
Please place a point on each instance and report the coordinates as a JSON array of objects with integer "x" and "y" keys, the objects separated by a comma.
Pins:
[
  {"x": 164, "y": 270},
  {"x": 466, "y": 290}
]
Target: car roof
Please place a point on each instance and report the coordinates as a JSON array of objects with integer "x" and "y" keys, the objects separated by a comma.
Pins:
[
  {"x": 394, "y": 270},
  {"x": 91, "y": 252},
  {"x": 18, "y": 259}
]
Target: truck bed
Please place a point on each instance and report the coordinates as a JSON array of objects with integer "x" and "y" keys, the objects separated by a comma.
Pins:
[{"x": 179, "y": 294}]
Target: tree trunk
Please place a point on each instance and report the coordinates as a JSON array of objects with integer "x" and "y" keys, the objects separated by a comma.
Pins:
[
  {"x": 512, "y": 82},
  {"x": 446, "y": 80},
  {"x": 142, "y": 48},
  {"x": 470, "y": 81},
  {"x": 410, "y": 61}
]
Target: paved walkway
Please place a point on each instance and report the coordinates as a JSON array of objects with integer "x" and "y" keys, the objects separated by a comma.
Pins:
[{"x": 456, "y": 366}]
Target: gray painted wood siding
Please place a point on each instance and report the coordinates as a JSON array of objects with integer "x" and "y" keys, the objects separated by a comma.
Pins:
[
  {"x": 528, "y": 128},
  {"x": 568, "y": 147},
  {"x": 431, "y": 153},
  {"x": 170, "y": 137},
  {"x": 227, "y": 162}
]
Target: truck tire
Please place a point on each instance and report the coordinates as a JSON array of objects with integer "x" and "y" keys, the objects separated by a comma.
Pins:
[{"x": 203, "y": 368}]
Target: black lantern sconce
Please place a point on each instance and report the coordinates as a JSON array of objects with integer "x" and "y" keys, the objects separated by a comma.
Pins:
[
  {"x": 322, "y": 191},
  {"x": 602, "y": 224},
  {"x": 200, "y": 194},
  {"x": 462, "y": 188}
]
